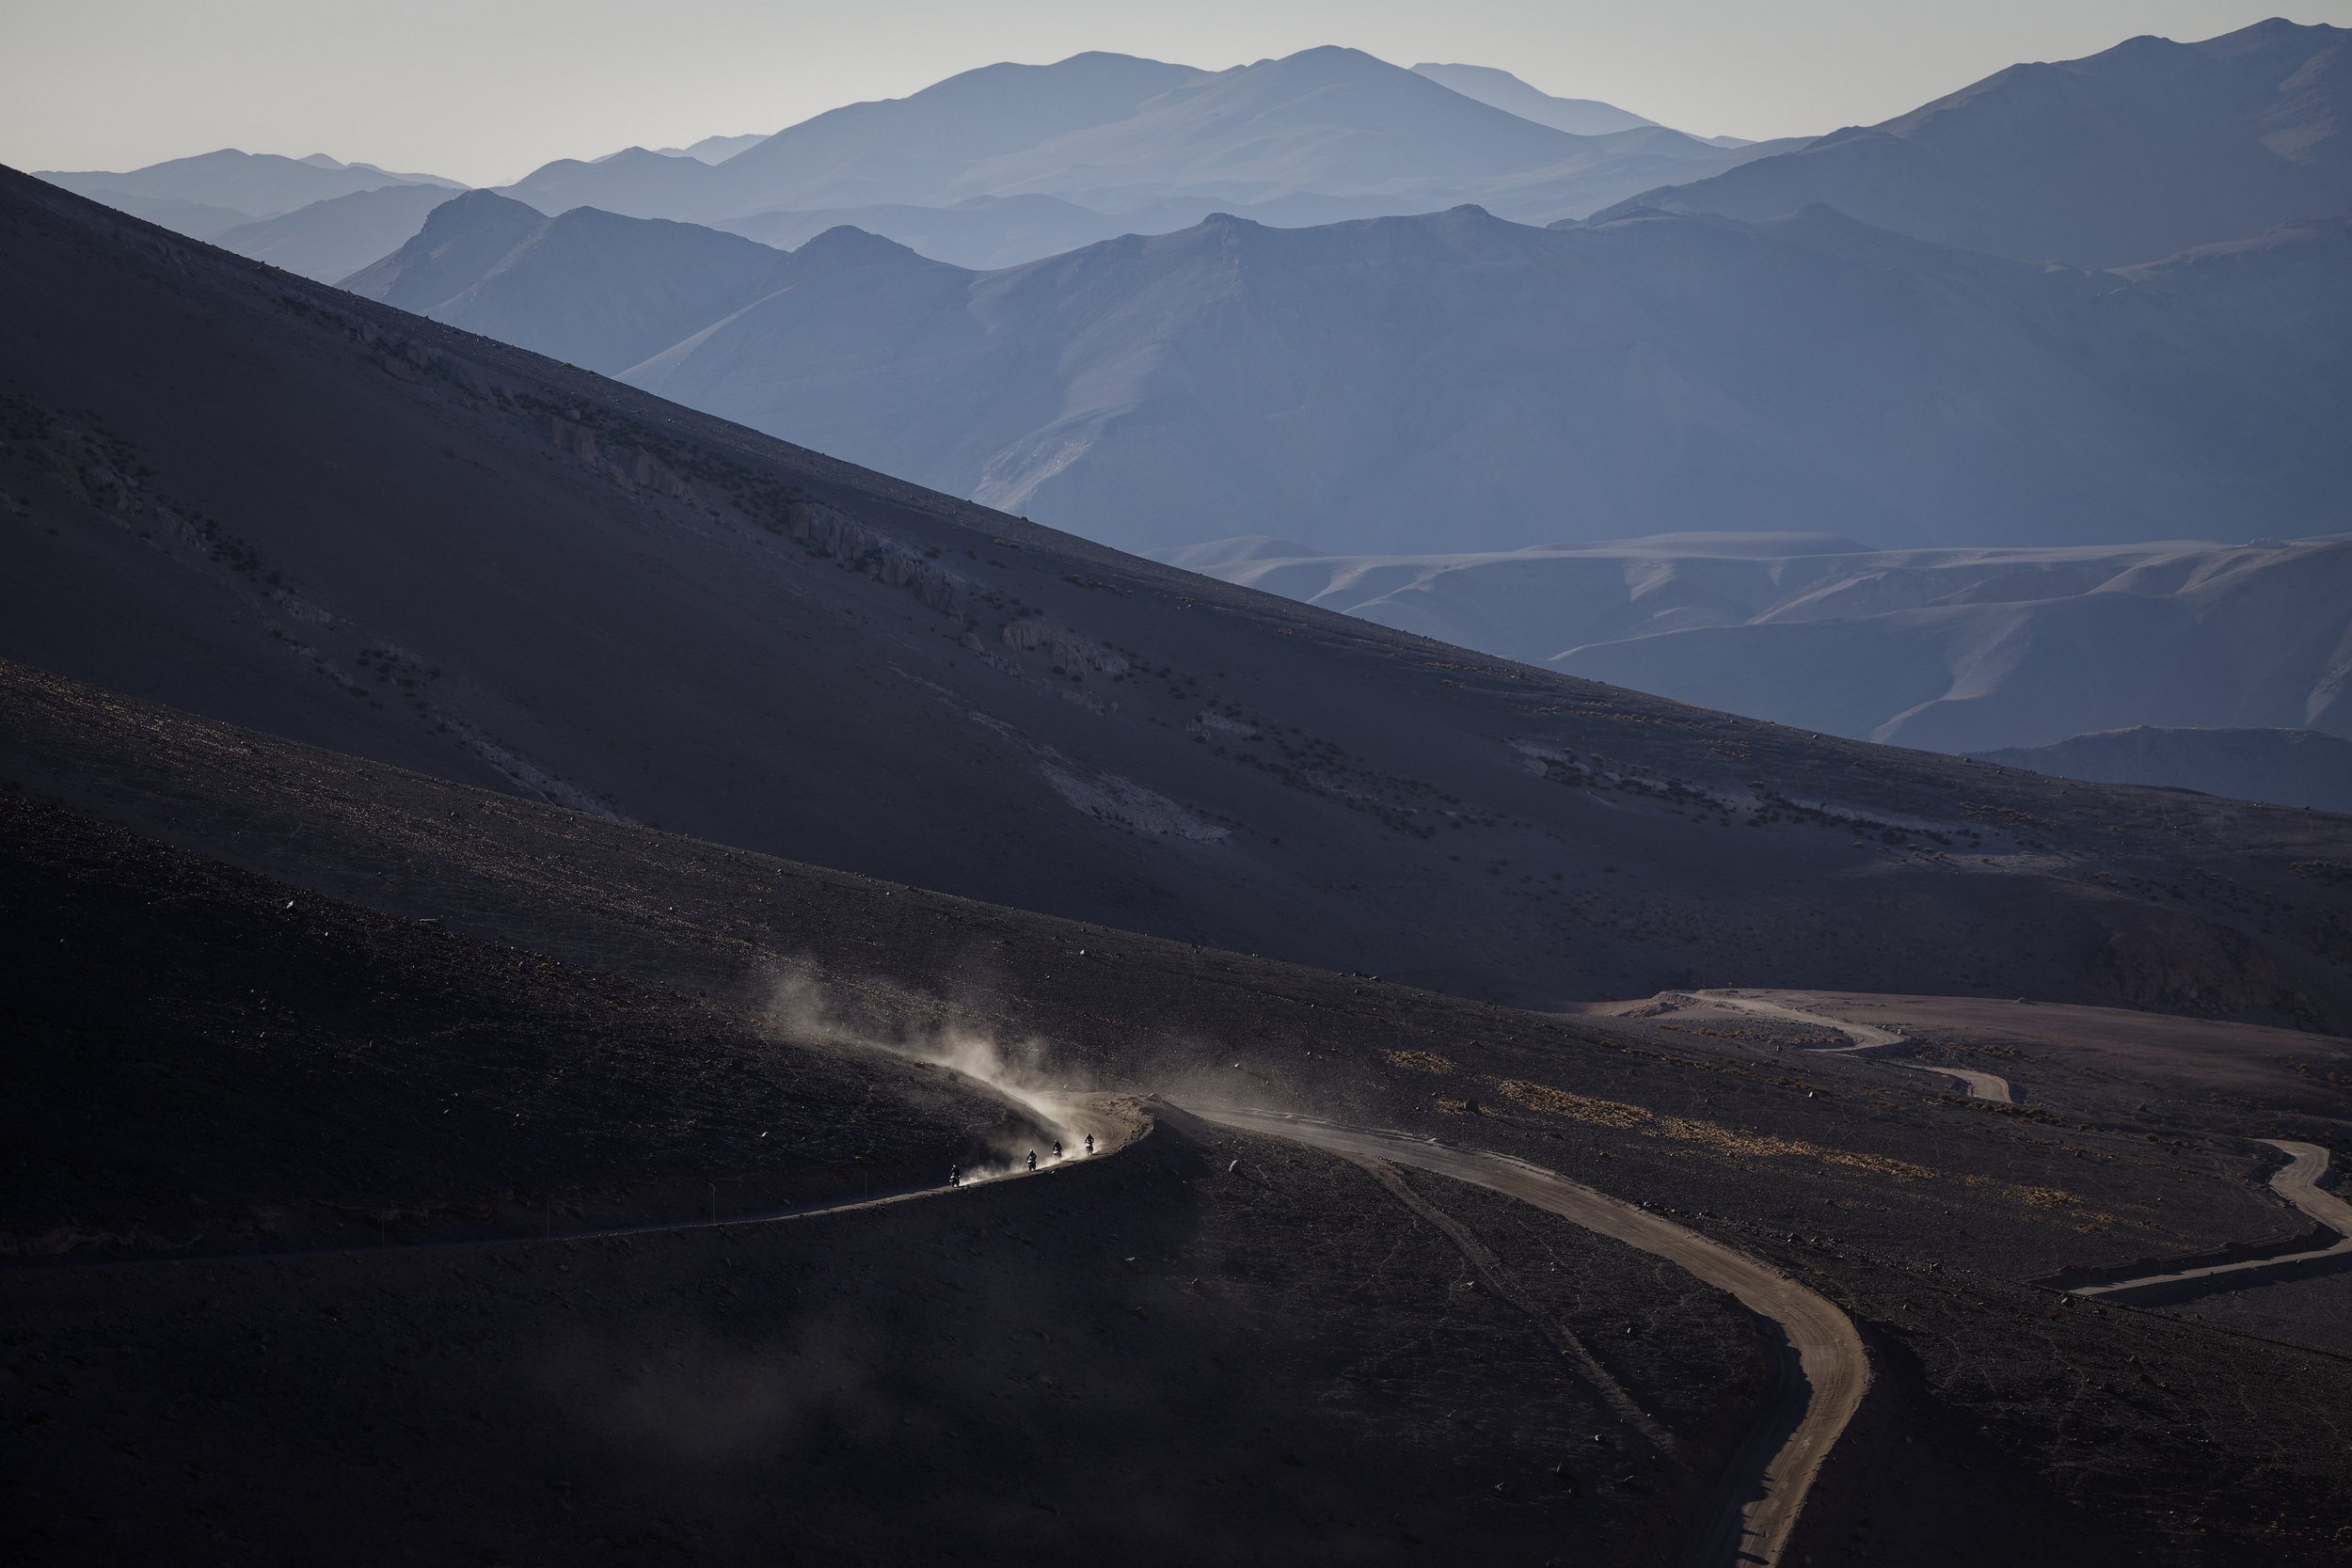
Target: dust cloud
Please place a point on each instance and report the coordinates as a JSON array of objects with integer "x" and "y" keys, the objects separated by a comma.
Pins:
[{"x": 876, "y": 1016}]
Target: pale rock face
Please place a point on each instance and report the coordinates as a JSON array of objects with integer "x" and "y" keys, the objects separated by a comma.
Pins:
[{"x": 1111, "y": 798}]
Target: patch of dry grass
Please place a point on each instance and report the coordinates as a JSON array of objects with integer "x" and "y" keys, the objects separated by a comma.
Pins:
[{"x": 1706, "y": 1134}]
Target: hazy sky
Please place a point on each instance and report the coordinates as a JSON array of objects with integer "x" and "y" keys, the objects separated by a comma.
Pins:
[{"x": 483, "y": 90}]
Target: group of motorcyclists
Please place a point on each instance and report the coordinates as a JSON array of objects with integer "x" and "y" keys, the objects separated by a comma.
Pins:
[{"x": 955, "y": 1173}]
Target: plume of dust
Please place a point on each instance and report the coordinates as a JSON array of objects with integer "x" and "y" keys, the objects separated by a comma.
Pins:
[{"x": 801, "y": 1009}]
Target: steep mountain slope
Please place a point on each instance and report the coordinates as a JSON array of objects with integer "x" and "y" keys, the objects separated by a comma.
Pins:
[
  {"x": 460, "y": 245},
  {"x": 195, "y": 219},
  {"x": 285, "y": 506},
  {"x": 1958, "y": 650},
  {"x": 1578, "y": 117},
  {"x": 608, "y": 293},
  {"x": 586, "y": 287},
  {"x": 2146, "y": 148},
  {"x": 2292, "y": 767},
  {"x": 333, "y": 239},
  {"x": 2286, "y": 294},
  {"x": 1460, "y": 383}
]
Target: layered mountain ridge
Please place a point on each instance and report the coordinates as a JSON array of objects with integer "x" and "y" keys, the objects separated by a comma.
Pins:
[
  {"x": 1123, "y": 136},
  {"x": 1457, "y": 380}
]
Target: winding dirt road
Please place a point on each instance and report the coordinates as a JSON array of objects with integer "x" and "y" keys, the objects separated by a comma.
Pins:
[
  {"x": 1865, "y": 1036},
  {"x": 1759, "y": 1500},
  {"x": 2298, "y": 1183},
  {"x": 1074, "y": 1117}
]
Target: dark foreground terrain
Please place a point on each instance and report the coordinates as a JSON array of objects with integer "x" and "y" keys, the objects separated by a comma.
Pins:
[
  {"x": 498, "y": 1105},
  {"x": 953, "y": 1372}
]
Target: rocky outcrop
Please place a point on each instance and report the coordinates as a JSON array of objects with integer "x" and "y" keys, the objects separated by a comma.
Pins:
[
  {"x": 885, "y": 559},
  {"x": 634, "y": 468},
  {"x": 1072, "y": 651},
  {"x": 1110, "y": 798}
]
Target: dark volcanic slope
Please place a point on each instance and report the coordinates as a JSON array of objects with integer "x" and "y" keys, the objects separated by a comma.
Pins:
[
  {"x": 201, "y": 1060},
  {"x": 261, "y": 499}
]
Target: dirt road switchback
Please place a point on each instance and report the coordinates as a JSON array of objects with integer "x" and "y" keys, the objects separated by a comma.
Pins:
[
  {"x": 1865, "y": 1036},
  {"x": 2297, "y": 1182},
  {"x": 1759, "y": 1499}
]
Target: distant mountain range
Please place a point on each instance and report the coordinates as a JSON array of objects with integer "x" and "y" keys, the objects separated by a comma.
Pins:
[
  {"x": 1142, "y": 145},
  {"x": 218, "y": 191},
  {"x": 2149, "y": 148},
  {"x": 2118, "y": 159},
  {"x": 714, "y": 150},
  {"x": 1970, "y": 650},
  {"x": 1457, "y": 382},
  {"x": 1014, "y": 162}
]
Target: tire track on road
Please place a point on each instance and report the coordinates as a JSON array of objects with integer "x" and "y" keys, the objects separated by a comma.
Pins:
[
  {"x": 1761, "y": 1498},
  {"x": 1490, "y": 1269}
]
